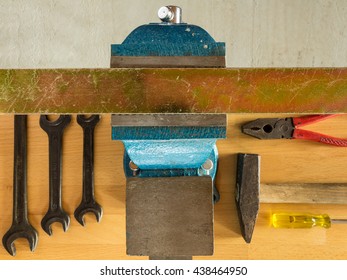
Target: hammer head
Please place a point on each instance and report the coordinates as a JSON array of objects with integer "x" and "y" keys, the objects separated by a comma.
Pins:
[{"x": 247, "y": 192}]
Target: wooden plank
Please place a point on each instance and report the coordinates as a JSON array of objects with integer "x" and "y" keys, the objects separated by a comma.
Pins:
[
  {"x": 304, "y": 193},
  {"x": 207, "y": 90},
  {"x": 291, "y": 161}
]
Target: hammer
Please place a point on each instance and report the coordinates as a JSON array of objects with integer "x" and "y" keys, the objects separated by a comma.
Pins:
[{"x": 248, "y": 194}]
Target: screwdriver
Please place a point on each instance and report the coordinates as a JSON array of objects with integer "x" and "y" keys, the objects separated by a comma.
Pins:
[{"x": 303, "y": 220}]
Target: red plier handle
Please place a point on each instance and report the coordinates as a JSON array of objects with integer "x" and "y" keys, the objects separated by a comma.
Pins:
[{"x": 314, "y": 136}]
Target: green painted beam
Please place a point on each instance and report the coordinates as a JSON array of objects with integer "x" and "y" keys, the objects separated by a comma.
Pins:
[{"x": 307, "y": 90}]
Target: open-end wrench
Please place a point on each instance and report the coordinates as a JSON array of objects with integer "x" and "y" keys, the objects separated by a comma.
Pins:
[
  {"x": 88, "y": 203},
  {"x": 55, "y": 212},
  {"x": 20, "y": 228}
]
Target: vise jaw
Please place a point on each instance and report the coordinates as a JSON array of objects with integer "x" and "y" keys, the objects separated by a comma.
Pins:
[{"x": 170, "y": 161}]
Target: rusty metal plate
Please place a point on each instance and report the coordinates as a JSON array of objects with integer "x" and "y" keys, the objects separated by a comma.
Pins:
[
  {"x": 170, "y": 216},
  {"x": 207, "y": 90}
]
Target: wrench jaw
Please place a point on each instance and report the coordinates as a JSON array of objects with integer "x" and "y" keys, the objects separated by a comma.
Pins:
[
  {"x": 86, "y": 122},
  {"x": 20, "y": 231},
  {"x": 47, "y": 125},
  {"x": 84, "y": 208},
  {"x": 53, "y": 217}
]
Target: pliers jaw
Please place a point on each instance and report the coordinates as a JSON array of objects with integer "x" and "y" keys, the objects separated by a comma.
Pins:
[{"x": 270, "y": 128}]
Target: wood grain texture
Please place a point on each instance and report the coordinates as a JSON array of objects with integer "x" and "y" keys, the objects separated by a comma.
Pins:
[
  {"x": 258, "y": 33},
  {"x": 304, "y": 193},
  {"x": 283, "y": 161}
]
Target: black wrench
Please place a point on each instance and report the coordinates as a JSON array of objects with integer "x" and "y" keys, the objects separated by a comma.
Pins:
[
  {"x": 88, "y": 203},
  {"x": 55, "y": 212},
  {"x": 20, "y": 228}
]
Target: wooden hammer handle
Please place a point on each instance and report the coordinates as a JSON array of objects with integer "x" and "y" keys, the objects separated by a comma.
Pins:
[{"x": 327, "y": 193}]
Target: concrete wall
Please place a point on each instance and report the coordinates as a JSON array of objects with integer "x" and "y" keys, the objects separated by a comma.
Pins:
[{"x": 258, "y": 33}]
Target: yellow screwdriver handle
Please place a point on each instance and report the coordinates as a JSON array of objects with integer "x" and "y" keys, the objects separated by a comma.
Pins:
[{"x": 300, "y": 220}]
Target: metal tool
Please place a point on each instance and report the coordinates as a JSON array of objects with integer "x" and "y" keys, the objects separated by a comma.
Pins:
[
  {"x": 55, "y": 212},
  {"x": 88, "y": 203},
  {"x": 171, "y": 156},
  {"x": 250, "y": 193},
  {"x": 303, "y": 220},
  {"x": 247, "y": 192},
  {"x": 279, "y": 128},
  {"x": 20, "y": 228}
]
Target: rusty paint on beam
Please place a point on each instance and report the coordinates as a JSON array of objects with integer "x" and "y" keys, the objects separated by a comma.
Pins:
[{"x": 311, "y": 90}]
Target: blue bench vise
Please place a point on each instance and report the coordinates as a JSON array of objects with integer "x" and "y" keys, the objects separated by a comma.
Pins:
[{"x": 170, "y": 160}]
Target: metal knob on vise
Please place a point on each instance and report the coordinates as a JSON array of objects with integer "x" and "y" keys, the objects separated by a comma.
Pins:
[{"x": 170, "y": 14}]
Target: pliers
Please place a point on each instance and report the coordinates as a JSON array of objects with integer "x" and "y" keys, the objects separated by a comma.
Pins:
[{"x": 287, "y": 128}]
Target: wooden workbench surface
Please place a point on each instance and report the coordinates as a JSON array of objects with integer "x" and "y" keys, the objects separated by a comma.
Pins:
[{"x": 295, "y": 161}]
